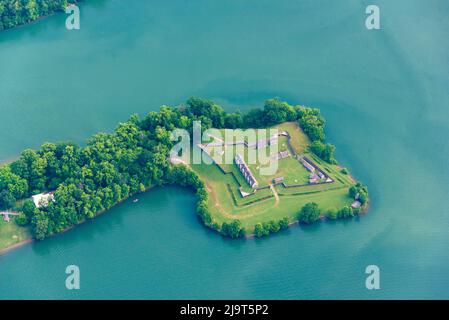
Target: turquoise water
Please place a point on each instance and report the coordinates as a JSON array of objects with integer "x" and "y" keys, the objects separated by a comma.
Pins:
[{"x": 384, "y": 94}]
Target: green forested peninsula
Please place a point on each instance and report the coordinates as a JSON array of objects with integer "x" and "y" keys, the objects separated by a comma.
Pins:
[
  {"x": 17, "y": 12},
  {"x": 114, "y": 166}
]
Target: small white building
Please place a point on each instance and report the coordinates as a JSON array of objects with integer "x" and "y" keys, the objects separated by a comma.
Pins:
[
  {"x": 356, "y": 204},
  {"x": 42, "y": 199}
]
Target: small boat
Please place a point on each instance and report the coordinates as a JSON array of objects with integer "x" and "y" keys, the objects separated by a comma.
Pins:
[{"x": 135, "y": 200}]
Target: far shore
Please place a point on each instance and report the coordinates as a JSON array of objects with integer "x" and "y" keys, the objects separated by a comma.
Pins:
[{"x": 30, "y": 240}]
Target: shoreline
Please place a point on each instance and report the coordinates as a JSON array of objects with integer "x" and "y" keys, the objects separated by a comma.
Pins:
[
  {"x": 31, "y": 240},
  {"x": 322, "y": 218},
  {"x": 28, "y": 23},
  {"x": 248, "y": 236},
  {"x": 16, "y": 246},
  {"x": 296, "y": 222}
]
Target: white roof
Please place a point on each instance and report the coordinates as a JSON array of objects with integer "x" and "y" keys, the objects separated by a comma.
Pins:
[
  {"x": 356, "y": 204},
  {"x": 41, "y": 200}
]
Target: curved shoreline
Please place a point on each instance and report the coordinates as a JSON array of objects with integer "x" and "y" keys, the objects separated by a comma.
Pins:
[
  {"x": 31, "y": 239},
  {"x": 40, "y": 18},
  {"x": 22, "y": 243},
  {"x": 248, "y": 236},
  {"x": 16, "y": 246}
]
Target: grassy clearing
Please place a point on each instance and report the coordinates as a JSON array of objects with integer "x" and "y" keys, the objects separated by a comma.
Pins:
[
  {"x": 226, "y": 203},
  {"x": 299, "y": 140}
]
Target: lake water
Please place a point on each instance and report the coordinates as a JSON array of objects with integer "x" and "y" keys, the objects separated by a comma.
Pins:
[{"x": 384, "y": 94}]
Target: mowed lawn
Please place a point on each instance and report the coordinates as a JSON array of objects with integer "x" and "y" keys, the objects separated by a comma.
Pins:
[
  {"x": 299, "y": 140},
  {"x": 226, "y": 204},
  {"x": 11, "y": 233},
  {"x": 265, "y": 168}
]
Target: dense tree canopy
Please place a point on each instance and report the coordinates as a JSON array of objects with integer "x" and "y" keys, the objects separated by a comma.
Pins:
[
  {"x": 18, "y": 12},
  {"x": 309, "y": 213},
  {"x": 312, "y": 122},
  {"x": 277, "y": 111},
  {"x": 266, "y": 228},
  {"x": 12, "y": 187}
]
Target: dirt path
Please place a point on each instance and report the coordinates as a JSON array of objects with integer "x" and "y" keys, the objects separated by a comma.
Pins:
[
  {"x": 210, "y": 190},
  {"x": 276, "y": 196},
  {"x": 235, "y": 216}
]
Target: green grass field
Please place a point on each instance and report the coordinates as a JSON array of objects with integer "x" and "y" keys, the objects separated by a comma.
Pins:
[
  {"x": 11, "y": 234},
  {"x": 227, "y": 204}
]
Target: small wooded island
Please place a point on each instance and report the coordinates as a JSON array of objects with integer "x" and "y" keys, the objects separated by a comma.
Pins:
[{"x": 47, "y": 191}]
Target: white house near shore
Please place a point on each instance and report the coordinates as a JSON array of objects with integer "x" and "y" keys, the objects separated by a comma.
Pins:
[{"x": 41, "y": 200}]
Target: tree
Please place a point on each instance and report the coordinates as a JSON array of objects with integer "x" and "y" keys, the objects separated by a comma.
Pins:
[
  {"x": 309, "y": 213},
  {"x": 363, "y": 197},
  {"x": 312, "y": 123},
  {"x": 32, "y": 168},
  {"x": 324, "y": 151},
  {"x": 253, "y": 119},
  {"x": 13, "y": 183},
  {"x": 28, "y": 209},
  {"x": 209, "y": 110},
  {"x": 7, "y": 200},
  {"x": 233, "y": 229},
  {"x": 22, "y": 220},
  {"x": 277, "y": 111},
  {"x": 345, "y": 212},
  {"x": 41, "y": 225},
  {"x": 359, "y": 191},
  {"x": 32, "y": 10},
  {"x": 260, "y": 231},
  {"x": 17, "y": 12},
  {"x": 283, "y": 223},
  {"x": 234, "y": 120},
  {"x": 332, "y": 214},
  {"x": 353, "y": 191},
  {"x": 274, "y": 226},
  {"x": 356, "y": 211},
  {"x": 114, "y": 166}
]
